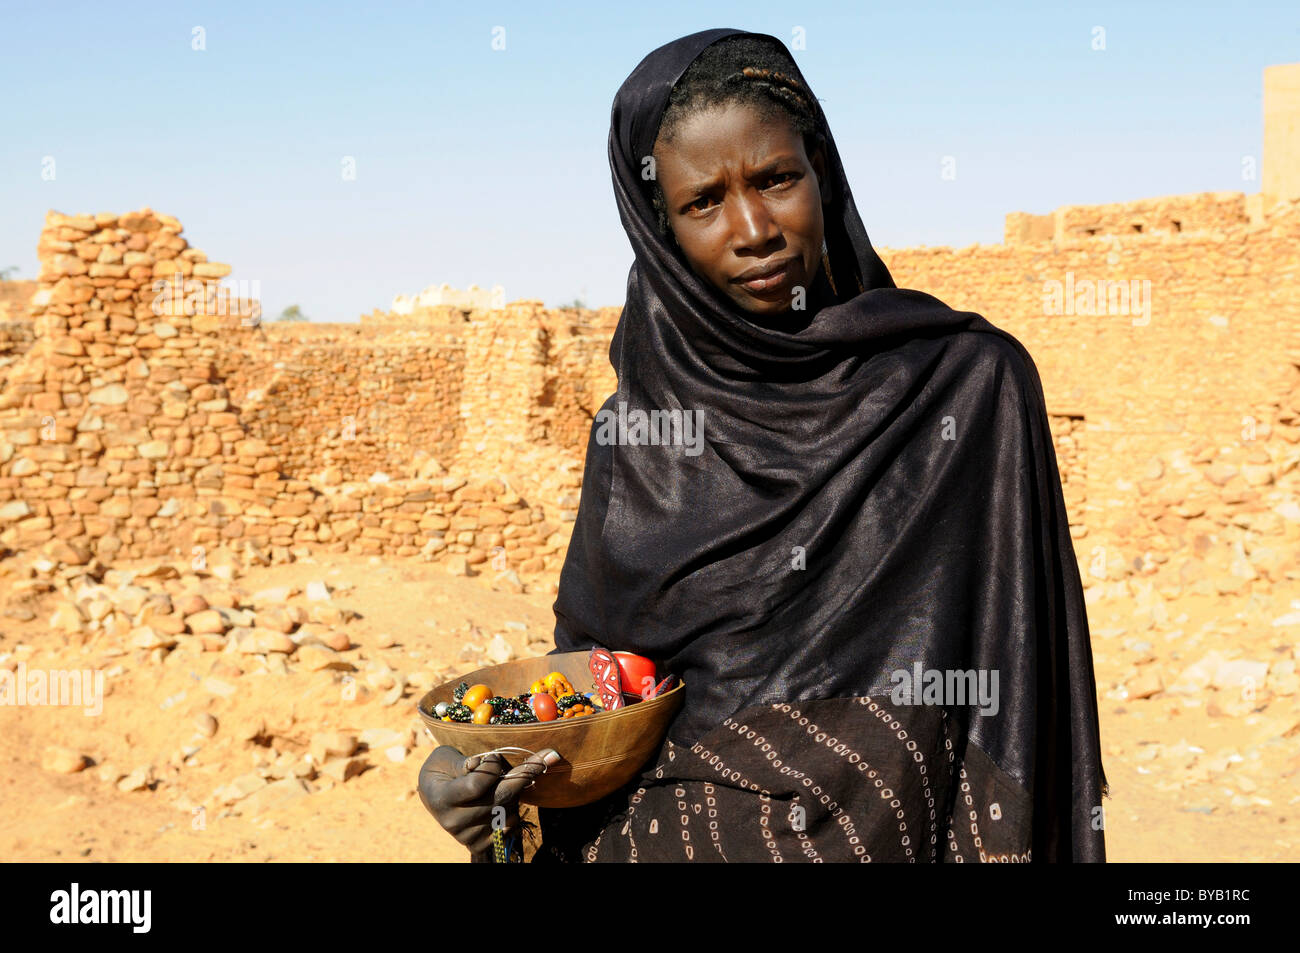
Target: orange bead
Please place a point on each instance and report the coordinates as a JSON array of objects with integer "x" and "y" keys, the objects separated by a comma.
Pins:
[{"x": 476, "y": 695}]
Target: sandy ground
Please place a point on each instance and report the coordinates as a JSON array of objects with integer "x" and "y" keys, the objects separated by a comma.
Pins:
[{"x": 1194, "y": 776}]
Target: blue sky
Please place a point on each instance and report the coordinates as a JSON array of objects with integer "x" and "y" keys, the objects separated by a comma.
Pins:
[{"x": 477, "y": 165}]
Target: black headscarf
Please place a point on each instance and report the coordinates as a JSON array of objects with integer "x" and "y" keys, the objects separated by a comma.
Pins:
[{"x": 876, "y": 489}]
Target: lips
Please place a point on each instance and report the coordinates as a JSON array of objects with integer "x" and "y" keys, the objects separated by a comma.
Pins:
[{"x": 766, "y": 277}]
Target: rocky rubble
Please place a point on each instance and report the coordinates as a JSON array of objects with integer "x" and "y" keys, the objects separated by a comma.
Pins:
[{"x": 345, "y": 707}]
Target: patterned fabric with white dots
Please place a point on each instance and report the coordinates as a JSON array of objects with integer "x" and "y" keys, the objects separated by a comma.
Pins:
[{"x": 831, "y": 780}]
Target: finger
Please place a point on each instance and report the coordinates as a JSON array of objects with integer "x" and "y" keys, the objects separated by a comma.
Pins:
[
  {"x": 546, "y": 758},
  {"x": 477, "y": 785},
  {"x": 526, "y": 774},
  {"x": 474, "y": 761},
  {"x": 518, "y": 781}
]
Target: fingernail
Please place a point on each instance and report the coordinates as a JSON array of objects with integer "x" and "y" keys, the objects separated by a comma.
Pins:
[{"x": 551, "y": 758}]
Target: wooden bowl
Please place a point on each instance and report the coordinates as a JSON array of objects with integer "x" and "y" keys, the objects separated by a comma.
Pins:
[{"x": 601, "y": 752}]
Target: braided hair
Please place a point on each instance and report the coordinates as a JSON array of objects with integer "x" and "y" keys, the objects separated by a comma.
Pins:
[{"x": 743, "y": 71}]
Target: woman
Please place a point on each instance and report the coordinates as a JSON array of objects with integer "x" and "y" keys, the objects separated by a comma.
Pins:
[{"x": 865, "y": 578}]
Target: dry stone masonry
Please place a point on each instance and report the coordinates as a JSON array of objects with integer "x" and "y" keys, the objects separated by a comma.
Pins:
[{"x": 121, "y": 438}]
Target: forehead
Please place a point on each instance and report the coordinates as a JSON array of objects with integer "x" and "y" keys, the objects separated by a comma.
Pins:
[{"x": 726, "y": 138}]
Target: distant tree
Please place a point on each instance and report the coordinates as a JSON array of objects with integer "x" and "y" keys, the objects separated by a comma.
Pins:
[
  {"x": 6, "y": 272},
  {"x": 292, "y": 313},
  {"x": 575, "y": 303}
]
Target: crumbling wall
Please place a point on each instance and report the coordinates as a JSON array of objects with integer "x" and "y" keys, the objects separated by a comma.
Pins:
[
  {"x": 1169, "y": 215},
  {"x": 121, "y": 440}
]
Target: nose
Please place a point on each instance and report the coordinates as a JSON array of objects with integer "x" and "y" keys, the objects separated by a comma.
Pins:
[{"x": 752, "y": 224}]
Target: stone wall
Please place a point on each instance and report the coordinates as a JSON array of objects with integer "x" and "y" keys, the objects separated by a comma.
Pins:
[
  {"x": 121, "y": 438},
  {"x": 531, "y": 382},
  {"x": 356, "y": 406},
  {"x": 1171, "y": 215}
]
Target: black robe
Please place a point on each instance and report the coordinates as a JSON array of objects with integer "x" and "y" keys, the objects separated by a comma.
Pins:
[{"x": 877, "y": 494}]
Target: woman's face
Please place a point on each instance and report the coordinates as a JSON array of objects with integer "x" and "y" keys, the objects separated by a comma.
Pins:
[{"x": 743, "y": 197}]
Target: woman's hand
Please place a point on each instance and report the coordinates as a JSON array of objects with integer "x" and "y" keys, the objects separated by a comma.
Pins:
[{"x": 470, "y": 797}]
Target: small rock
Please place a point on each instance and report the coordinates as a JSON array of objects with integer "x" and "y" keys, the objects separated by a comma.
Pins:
[
  {"x": 67, "y": 618},
  {"x": 332, "y": 744},
  {"x": 1219, "y": 473},
  {"x": 191, "y": 603},
  {"x": 315, "y": 657},
  {"x": 137, "y": 780},
  {"x": 276, "y": 642},
  {"x": 499, "y": 651},
  {"x": 63, "y": 760},
  {"x": 384, "y": 737},
  {"x": 1197, "y": 677},
  {"x": 395, "y": 753},
  {"x": 275, "y": 795},
  {"x": 1240, "y": 674},
  {"x": 205, "y": 724},
  {"x": 218, "y": 687},
  {"x": 146, "y": 638},
  {"x": 317, "y": 591},
  {"x": 341, "y": 769},
  {"x": 211, "y": 642},
  {"x": 209, "y": 621},
  {"x": 1145, "y": 685},
  {"x": 421, "y": 680},
  {"x": 271, "y": 597},
  {"x": 338, "y": 641},
  {"x": 385, "y": 640},
  {"x": 508, "y": 581},
  {"x": 243, "y": 786},
  {"x": 276, "y": 619}
]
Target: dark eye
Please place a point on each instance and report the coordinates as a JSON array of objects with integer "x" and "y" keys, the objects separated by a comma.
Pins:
[
  {"x": 691, "y": 207},
  {"x": 783, "y": 177}
]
